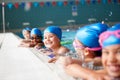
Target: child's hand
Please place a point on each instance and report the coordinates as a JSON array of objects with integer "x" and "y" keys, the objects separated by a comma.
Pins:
[
  {"x": 65, "y": 60},
  {"x": 52, "y": 60},
  {"x": 38, "y": 47}
]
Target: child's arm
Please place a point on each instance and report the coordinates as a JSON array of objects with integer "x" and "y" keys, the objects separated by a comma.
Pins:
[{"x": 76, "y": 70}]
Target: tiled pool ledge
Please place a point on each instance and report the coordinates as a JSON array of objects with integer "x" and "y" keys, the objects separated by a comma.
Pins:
[{"x": 19, "y": 63}]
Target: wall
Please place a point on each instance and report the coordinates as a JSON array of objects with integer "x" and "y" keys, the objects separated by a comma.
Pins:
[{"x": 37, "y": 16}]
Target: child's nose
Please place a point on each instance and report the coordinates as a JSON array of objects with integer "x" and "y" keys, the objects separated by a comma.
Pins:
[{"x": 112, "y": 57}]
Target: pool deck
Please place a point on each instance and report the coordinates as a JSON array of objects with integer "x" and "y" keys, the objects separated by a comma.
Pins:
[{"x": 19, "y": 63}]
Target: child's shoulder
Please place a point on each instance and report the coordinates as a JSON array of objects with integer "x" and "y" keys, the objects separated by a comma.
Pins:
[{"x": 64, "y": 49}]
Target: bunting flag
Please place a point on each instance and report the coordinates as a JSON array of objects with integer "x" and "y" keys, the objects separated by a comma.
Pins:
[
  {"x": 65, "y": 3},
  {"x": 41, "y": 4},
  {"x": 27, "y": 5},
  {"x": 10, "y": 5},
  {"x": 118, "y": 1},
  {"x": 77, "y": 2},
  {"x": 23, "y": 4},
  {"x": 104, "y": 1},
  {"x": 109, "y": 1},
  {"x": 53, "y": 3},
  {"x": 93, "y": 1},
  {"x": 82, "y": 2},
  {"x": 48, "y": 4},
  {"x": 114, "y": 1},
  {"x": 71, "y": 2},
  {"x": 16, "y": 5},
  {"x": 60, "y": 3},
  {"x": 35, "y": 4},
  {"x": 88, "y": 1},
  {"x": 99, "y": 1}
]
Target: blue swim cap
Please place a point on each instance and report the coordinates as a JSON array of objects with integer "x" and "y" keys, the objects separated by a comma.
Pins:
[
  {"x": 55, "y": 30},
  {"x": 27, "y": 28},
  {"x": 111, "y": 36},
  {"x": 36, "y": 31},
  {"x": 89, "y": 35},
  {"x": 99, "y": 27}
]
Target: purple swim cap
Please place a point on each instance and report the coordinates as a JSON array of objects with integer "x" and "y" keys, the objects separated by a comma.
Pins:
[
  {"x": 111, "y": 36},
  {"x": 89, "y": 35}
]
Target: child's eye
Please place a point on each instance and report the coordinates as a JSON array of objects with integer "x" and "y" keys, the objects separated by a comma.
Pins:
[
  {"x": 44, "y": 37},
  {"x": 118, "y": 51},
  {"x": 51, "y": 36},
  {"x": 105, "y": 52}
]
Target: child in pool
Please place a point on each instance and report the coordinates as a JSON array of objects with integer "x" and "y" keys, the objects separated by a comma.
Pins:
[
  {"x": 36, "y": 36},
  {"x": 86, "y": 42},
  {"x": 36, "y": 39},
  {"x": 110, "y": 42},
  {"x": 52, "y": 39},
  {"x": 26, "y": 34}
]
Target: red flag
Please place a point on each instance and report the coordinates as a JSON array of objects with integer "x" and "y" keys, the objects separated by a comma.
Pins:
[
  {"x": 41, "y": 3},
  {"x": 77, "y": 2},
  {"x": 53, "y": 3},
  {"x": 118, "y": 1},
  {"x": 65, "y": 3},
  {"x": 109, "y": 1},
  {"x": 16, "y": 5},
  {"x": 88, "y": 1},
  {"x": 99, "y": 1}
]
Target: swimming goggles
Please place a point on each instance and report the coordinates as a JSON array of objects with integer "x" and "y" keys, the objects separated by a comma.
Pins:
[
  {"x": 75, "y": 45},
  {"x": 107, "y": 34}
]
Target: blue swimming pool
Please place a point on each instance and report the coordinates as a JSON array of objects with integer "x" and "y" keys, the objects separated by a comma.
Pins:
[{"x": 68, "y": 36}]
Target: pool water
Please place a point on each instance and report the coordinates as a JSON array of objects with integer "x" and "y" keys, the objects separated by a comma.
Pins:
[{"x": 67, "y": 38}]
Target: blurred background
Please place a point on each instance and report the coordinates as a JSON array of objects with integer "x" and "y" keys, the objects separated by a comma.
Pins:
[{"x": 68, "y": 14}]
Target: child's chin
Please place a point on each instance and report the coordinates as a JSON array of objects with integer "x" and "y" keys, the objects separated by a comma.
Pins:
[{"x": 115, "y": 76}]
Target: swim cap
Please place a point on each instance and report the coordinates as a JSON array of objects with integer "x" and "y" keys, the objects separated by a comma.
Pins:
[
  {"x": 89, "y": 35},
  {"x": 36, "y": 31},
  {"x": 99, "y": 27},
  {"x": 27, "y": 28},
  {"x": 55, "y": 30},
  {"x": 111, "y": 36}
]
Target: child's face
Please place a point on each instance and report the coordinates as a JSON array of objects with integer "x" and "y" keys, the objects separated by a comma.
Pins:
[
  {"x": 78, "y": 46},
  {"x": 81, "y": 49},
  {"x": 36, "y": 39},
  {"x": 26, "y": 34},
  {"x": 51, "y": 40},
  {"x": 111, "y": 60}
]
